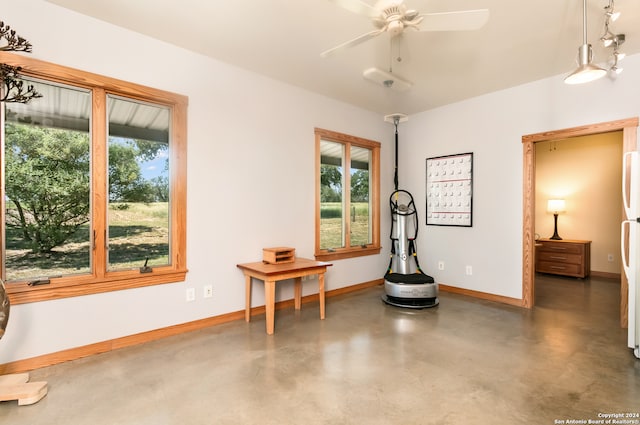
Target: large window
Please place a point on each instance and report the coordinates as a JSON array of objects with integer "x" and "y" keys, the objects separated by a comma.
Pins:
[
  {"x": 347, "y": 196},
  {"x": 93, "y": 185}
]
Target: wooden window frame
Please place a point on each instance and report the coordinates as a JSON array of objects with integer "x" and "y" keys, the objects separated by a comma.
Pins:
[
  {"x": 100, "y": 280},
  {"x": 374, "y": 202}
]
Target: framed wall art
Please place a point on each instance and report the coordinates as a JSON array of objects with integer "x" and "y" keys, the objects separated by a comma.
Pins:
[{"x": 450, "y": 190}]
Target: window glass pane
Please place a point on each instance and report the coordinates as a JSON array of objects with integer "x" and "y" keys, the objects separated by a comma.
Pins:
[
  {"x": 138, "y": 178},
  {"x": 360, "y": 183},
  {"x": 331, "y": 195},
  {"x": 47, "y": 184}
]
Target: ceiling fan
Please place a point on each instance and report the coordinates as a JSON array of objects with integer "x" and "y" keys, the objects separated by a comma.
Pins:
[{"x": 394, "y": 17}]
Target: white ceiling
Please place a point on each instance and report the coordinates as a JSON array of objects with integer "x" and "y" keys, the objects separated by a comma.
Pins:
[{"x": 523, "y": 41}]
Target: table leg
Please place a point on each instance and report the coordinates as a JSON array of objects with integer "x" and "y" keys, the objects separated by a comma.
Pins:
[
  {"x": 247, "y": 296},
  {"x": 321, "y": 293},
  {"x": 297, "y": 292},
  {"x": 269, "y": 301}
]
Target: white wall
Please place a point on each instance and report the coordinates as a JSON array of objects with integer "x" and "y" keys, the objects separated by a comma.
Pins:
[
  {"x": 248, "y": 133},
  {"x": 492, "y": 127},
  {"x": 251, "y": 179}
]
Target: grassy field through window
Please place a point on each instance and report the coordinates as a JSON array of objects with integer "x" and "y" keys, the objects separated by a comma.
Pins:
[
  {"x": 331, "y": 224},
  {"x": 137, "y": 231}
]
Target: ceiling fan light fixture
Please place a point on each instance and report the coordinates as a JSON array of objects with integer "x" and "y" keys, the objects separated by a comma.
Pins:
[
  {"x": 393, "y": 17},
  {"x": 395, "y": 27}
]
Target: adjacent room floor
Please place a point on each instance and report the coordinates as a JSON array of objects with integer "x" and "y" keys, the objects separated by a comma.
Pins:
[{"x": 466, "y": 361}]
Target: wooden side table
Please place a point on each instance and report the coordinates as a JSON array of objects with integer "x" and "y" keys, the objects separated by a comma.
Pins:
[
  {"x": 272, "y": 273},
  {"x": 567, "y": 257}
]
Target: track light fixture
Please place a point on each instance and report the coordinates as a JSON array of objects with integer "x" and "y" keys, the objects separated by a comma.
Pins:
[
  {"x": 610, "y": 13},
  {"x": 617, "y": 56},
  {"x": 608, "y": 37},
  {"x": 586, "y": 70},
  {"x": 612, "y": 40}
]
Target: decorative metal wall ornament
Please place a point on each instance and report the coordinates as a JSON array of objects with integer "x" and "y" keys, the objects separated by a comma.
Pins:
[
  {"x": 13, "y": 89},
  {"x": 15, "y": 43},
  {"x": 4, "y": 308}
]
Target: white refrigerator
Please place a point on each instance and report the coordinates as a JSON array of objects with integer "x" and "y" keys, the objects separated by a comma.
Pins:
[{"x": 630, "y": 243}]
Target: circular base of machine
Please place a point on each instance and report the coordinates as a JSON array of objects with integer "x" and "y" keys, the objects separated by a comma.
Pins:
[{"x": 417, "y": 303}]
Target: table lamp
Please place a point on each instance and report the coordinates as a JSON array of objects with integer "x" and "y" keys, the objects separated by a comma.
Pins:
[{"x": 555, "y": 206}]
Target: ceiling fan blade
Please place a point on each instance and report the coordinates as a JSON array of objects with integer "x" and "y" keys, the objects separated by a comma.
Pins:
[
  {"x": 464, "y": 20},
  {"x": 351, "y": 43},
  {"x": 357, "y": 6}
]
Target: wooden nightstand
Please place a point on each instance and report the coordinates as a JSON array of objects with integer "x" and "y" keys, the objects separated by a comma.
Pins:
[{"x": 567, "y": 257}]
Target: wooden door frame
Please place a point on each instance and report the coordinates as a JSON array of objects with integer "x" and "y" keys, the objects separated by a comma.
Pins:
[{"x": 629, "y": 129}]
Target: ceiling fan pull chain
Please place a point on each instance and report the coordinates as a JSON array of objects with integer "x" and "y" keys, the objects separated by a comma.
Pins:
[
  {"x": 398, "y": 57},
  {"x": 391, "y": 55}
]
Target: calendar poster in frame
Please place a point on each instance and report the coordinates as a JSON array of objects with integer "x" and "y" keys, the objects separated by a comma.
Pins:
[{"x": 450, "y": 190}]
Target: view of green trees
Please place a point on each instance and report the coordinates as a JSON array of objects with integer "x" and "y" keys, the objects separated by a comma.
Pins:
[
  {"x": 48, "y": 193},
  {"x": 47, "y": 184},
  {"x": 48, "y": 181},
  {"x": 126, "y": 183},
  {"x": 331, "y": 206},
  {"x": 331, "y": 184}
]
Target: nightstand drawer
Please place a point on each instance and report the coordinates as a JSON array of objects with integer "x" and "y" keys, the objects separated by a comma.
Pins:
[
  {"x": 560, "y": 257},
  {"x": 560, "y": 268},
  {"x": 566, "y": 248}
]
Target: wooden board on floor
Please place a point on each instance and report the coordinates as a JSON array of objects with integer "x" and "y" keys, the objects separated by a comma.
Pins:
[{"x": 18, "y": 387}]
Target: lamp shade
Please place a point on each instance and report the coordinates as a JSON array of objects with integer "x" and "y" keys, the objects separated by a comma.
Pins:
[
  {"x": 556, "y": 206},
  {"x": 586, "y": 71}
]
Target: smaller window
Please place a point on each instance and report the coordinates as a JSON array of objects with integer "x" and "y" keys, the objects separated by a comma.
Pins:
[
  {"x": 347, "y": 196},
  {"x": 138, "y": 185}
]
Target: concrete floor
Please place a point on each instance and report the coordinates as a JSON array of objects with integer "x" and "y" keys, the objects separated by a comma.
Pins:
[{"x": 464, "y": 362}]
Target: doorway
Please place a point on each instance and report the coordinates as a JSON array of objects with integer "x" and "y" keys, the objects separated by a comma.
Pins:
[{"x": 629, "y": 129}]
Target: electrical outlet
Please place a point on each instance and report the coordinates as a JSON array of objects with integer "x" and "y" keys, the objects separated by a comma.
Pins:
[
  {"x": 440, "y": 265},
  {"x": 610, "y": 258},
  {"x": 469, "y": 270},
  {"x": 207, "y": 291},
  {"x": 191, "y": 294}
]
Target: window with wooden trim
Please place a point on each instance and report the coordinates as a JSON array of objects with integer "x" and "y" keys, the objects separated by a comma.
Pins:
[
  {"x": 347, "y": 196},
  {"x": 93, "y": 185}
]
